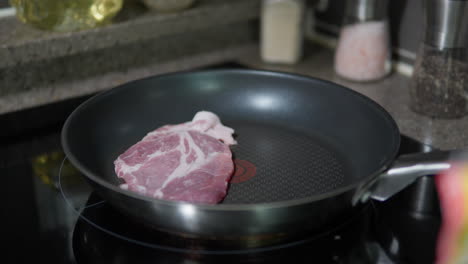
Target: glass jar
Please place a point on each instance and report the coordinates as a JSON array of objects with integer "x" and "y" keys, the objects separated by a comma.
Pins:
[
  {"x": 281, "y": 31},
  {"x": 66, "y": 15},
  {"x": 363, "y": 51},
  {"x": 439, "y": 84}
]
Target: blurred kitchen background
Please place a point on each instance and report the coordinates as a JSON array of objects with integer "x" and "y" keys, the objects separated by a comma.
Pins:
[
  {"x": 406, "y": 19},
  {"x": 53, "y": 56},
  {"x": 47, "y": 59},
  {"x": 406, "y": 24},
  {"x": 141, "y": 42}
]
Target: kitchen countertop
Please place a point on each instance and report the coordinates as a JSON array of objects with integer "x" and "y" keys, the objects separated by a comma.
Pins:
[
  {"x": 73, "y": 88},
  {"x": 20, "y": 43},
  {"x": 41, "y": 67},
  {"x": 392, "y": 93}
]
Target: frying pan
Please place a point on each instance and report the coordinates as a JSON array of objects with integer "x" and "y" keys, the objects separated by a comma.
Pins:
[{"x": 320, "y": 150}]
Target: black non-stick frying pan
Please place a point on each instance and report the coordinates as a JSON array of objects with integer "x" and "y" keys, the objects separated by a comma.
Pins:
[{"x": 319, "y": 150}]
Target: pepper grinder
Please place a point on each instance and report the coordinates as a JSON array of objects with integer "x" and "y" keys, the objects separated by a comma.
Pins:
[{"x": 440, "y": 79}]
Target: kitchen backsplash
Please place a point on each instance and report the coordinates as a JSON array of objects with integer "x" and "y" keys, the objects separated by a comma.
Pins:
[{"x": 406, "y": 23}]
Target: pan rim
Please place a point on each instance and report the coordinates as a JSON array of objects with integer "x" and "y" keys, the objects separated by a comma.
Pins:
[{"x": 233, "y": 207}]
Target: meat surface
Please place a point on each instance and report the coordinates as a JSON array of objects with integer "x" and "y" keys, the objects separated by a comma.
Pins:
[{"x": 188, "y": 162}]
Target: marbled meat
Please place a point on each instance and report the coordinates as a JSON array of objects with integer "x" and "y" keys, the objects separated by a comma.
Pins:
[{"x": 189, "y": 162}]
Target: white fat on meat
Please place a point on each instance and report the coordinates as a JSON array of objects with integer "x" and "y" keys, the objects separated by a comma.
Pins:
[{"x": 185, "y": 162}]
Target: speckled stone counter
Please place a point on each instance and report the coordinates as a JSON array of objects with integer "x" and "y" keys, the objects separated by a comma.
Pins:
[
  {"x": 39, "y": 67},
  {"x": 64, "y": 90},
  {"x": 392, "y": 93},
  {"x": 20, "y": 44}
]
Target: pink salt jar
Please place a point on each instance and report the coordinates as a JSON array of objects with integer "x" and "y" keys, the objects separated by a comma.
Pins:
[{"x": 363, "y": 52}]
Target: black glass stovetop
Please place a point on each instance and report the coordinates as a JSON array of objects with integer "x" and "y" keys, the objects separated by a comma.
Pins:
[{"x": 50, "y": 214}]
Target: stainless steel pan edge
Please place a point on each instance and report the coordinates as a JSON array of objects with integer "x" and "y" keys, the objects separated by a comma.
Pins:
[
  {"x": 241, "y": 225},
  {"x": 368, "y": 181}
]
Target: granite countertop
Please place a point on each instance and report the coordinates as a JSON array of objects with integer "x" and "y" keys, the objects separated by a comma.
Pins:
[
  {"x": 392, "y": 93},
  {"x": 21, "y": 43},
  {"x": 41, "y": 67},
  {"x": 155, "y": 44}
]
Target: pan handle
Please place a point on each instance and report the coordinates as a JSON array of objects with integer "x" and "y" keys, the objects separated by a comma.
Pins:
[{"x": 407, "y": 169}]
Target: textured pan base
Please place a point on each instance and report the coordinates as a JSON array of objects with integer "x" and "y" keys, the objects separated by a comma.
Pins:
[{"x": 288, "y": 164}]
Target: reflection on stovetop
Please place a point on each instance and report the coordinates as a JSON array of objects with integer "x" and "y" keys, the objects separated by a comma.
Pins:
[
  {"x": 403, "y": 228},
  {"x": 102, "y": 235},
  {"x": 407, "y": 224}
]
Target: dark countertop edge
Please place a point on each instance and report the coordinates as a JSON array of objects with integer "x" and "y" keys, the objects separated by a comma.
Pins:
[{"x": 41, "y": 96}]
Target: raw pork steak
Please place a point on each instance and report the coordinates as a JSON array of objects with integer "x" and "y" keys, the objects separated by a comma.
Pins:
[{"x": 188, "y": 162}]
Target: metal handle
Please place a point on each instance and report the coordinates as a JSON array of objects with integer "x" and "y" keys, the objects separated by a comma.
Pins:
[{"x": 405, "y": 170}]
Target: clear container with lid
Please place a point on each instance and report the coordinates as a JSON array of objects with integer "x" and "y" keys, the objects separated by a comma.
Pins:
[
  {"x": 439, "y": 85},
  {"x": 363, "y": 51},
  {"x": 281, "y": 31}
]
